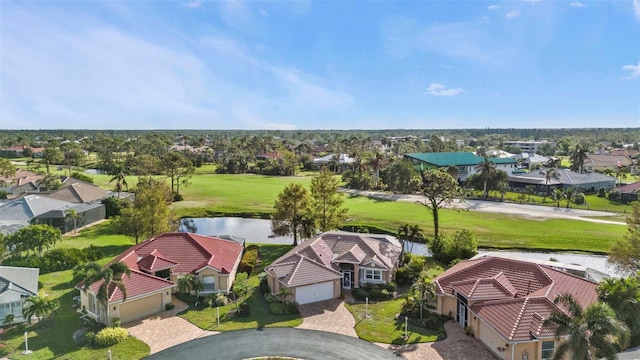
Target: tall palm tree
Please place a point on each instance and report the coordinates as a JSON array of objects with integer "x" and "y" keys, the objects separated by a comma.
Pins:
[
  {"x": 487, "y": 169},
  {"x": 549, "y": 174},
  {"x": 590, "y": 334},
  {"x": 121, "y": 182},
  {"x": 376, "y": 162},
  {"x": 110, "y": 277},
  {"x": 38, "y": 306},
  {"x": 50, "y": 156},
  {"x": 578, "y": 156},
  {"x": 74, "y": 216},
  {"x": 623, "y": 295},
  {"x": 424, "y": 287}
]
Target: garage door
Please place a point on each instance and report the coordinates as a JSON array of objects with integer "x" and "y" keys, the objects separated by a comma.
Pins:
[
  {"x": 316, "y": 292},
  {"x": 136, "y": 309}
]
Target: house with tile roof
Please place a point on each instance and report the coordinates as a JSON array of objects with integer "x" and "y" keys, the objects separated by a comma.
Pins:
[
  {"x": 17, "y": 284},
  {"x": 629, "y": 192},
  {"x": 602, "y": 162},
  {"x": 465, "y": 162},
  {"x": 320, "y": 267},
  {"x": 504, "y": 302},
  {"x": 156, "y": 265}
]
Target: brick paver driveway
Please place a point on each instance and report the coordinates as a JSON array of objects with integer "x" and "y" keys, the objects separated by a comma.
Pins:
[
  {"x": 457, "y": 346},
  {"x": 329, "y": 316},
  {"x": 165, "y": 329}
]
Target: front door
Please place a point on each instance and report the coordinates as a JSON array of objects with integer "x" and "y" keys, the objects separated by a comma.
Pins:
[
  {"x": 347, "y": 279},
  {"x": 462, "y": 314}
]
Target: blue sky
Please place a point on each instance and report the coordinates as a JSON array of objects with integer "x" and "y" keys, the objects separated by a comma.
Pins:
[{"x": 319, "y": 65}]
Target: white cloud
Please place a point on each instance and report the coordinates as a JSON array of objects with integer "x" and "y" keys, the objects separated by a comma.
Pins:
[
  {"x": 635, "y": 71},
  {"x": 577, "y": 4},
  {"x": 512, "y": 14},
  {"x": 493, "y": 7},
  {"x": 194, "y": 4},
  {"x": 636, "y": 8},
  {"x": 441, "y": 90}
]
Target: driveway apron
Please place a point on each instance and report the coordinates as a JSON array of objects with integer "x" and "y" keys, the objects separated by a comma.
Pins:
[{"x": 330, "y": 316}]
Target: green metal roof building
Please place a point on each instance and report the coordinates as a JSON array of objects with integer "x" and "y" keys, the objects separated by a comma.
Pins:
[{"x": 466, "y": 162}]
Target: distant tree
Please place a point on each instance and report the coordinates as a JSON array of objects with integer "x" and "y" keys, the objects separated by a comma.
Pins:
[
  {"x": 547, "y": 149},
  {"x": 121, "y": 181},
  {"x": 439, "y": 189},
  {"x": 558, "y": 195},
  {"x": 50, "y": 156},
  {"x": 400, "y": 177},
  {"x": 72, "y": 155},
  {"x": 50, "y": 182},
  {"x": 7, "y": 170},
  {"x": 502, "y": 187},
  {"x": 292, "y": 213},
  {"x": 625, "y": 253},
  {"x": 592, "y": 333},
  {"x": 529, "y": 190},
  {"x": 486, "y": 169},
  {"x": 549, "y": 174},
  {"x": 177, "y": 168},
  {"x": 578, "y": 155},
  {"x": 326, "y": 201},
  {"x": 39, "y": 306}
]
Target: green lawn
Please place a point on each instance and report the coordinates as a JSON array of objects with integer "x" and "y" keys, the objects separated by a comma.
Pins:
[
  {"x": 260, "y": 317},
  {"x": 384, "y": 326}
]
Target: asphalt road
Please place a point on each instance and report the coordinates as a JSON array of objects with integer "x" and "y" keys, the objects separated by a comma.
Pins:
[
  {"x": 295, "y": 343},
  {"x": 527, "y": 211}
]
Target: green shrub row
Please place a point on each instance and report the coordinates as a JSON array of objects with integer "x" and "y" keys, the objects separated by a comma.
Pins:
[
  {"x": 249, "y": 259},
  {"x": 375, "y": 292},
  {"x": 59, "y": 259},
  {"x": 107, "y": 336},
  {"x": 287, "y": 308}
]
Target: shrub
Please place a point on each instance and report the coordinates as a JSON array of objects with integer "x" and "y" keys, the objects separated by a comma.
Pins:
[
  {"x": 244, "y": 310},
  {"x": 408, "y": 274},
  {"x": 270, "y": 298},
  {"x": 91, "y": 337},
  {"x": 113, "y": 206},
  {"x": 602, "y": 192},
  {"x": 177, "y": 197},
  {"x": 615, "y": 196},
  {"x": 291, "y": 308},
  {"x": 218, "y": 299},
  {"x": 111, "y": 336},
  {"x": 81, "y": 176},
  {"x": 276, "y": 309},
  {"x": 115, "y": 322},
  {"x": 264, "y": 285},
  {"x": 169, "y": 306},
  {"x": 4, "y": 349},
  {"x": 249, "y": 259},
  {"x": 579, "y": 199},
  {"x": 92, "y": 253},
  {"x": 359, "y": 294}
]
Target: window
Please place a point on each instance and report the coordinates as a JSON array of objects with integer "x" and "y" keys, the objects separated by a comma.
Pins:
[
  {"x": 547, "y": 349},
  {"x": 373, "y": 275},
  {"x": 208, "y": 283},
  {"x": 14, "y": 307},
  {"x": 92, "y": 302}
]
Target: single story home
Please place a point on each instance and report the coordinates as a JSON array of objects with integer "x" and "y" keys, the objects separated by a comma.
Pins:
[
  {"x": 466, "y": 162},
  {"x": 156, "y": 265},
  {"x": 40, "y": 209},
  {"x": 320, "y": 267},
  {"x": 17, "y": 284},
  {"x": 601, "y": 162},
  {"x": 629, "y": 192},
  {"x": 78, "y": 191},
  {"x": 504, "y": 303},
  {"x": 528, "y": 160},
  {"x": 587, "y": 182}
]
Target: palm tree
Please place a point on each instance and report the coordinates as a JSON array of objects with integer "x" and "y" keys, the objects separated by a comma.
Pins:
[
  {"x": 623, "y": 295},
  {"x": 578, "y": 156},
  {"x": 121, "y": 182},
  {"x": 590, "y": 334},
  {"x": 283, "y": 293},
  {"x": 529, "y": 190},
  {"x": 376, "y": 162},
  {"x": 38, "y": 306},
  {"x": 424, "y": 287},
  {"x": 502, "y": 187},
  {"x": 486, "y": 169},
  {"x": 549, "y": 173},
  {"x": 185, "y": 283},
  {"x": 74, "y": 216},
  {"x": 110, "y": 277},
  {"x": 557, "y": 195},
  {"x": 51, "y": 155}
]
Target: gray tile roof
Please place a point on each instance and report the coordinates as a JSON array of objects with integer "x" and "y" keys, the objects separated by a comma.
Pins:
[
  {"x": 26, "y": 278},
  {"x": 567, "y": 177},
  {"x": 314, "y": 260}
]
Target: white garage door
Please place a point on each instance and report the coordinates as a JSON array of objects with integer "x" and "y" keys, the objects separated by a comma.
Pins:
[
  {"x": 136, "y": 309},
  {"x": 316, "y": 292}
]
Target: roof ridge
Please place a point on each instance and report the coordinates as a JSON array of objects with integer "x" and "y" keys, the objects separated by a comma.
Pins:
[
  {"x": 77, "y": 193},
  {"x": 475, "y": 285},
  {"x": 500, "y": 283},
  {"x": 301, "y": 258},
  {"x": 519, "y": 318}
]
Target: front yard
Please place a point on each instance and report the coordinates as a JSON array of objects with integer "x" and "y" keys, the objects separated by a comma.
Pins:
[{"x": 205, "y": 317}]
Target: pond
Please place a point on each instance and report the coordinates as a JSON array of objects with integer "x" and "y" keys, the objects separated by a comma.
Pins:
[{"x": 259, "y": 231}]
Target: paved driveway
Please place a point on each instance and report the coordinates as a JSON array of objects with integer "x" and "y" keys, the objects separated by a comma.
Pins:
[
  {"x": 296, "y": 343},
  {"x": 457, "y": 346},
  {"x": 329, "y": 316},
  {"x": 165, "y": 329}
]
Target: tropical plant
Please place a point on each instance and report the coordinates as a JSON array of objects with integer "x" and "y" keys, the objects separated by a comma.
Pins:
[
  {"x": 121, "y": 182},
  {"x": 109, "y": 277},
  {"x": 74, "y": 216},
  {"x": 578, "y": 155},
  {"x": 283, "y": 294},
  {"x": 557, "y": 195},
  {"x": 425, "y": 288},
  {"x": 623, "y": 295},
  {"x": 39, "y": 306},
  {"x": 50, "y": 156},
  {"x": 549, "y": 174},
  {"x": 589, "y": 334},
  {"x": 486, "y": 169}
]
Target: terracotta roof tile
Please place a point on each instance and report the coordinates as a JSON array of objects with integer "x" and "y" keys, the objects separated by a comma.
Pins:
[
  {"x": 136, "y": 285},
  {"x": 155, "y": 261}
]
